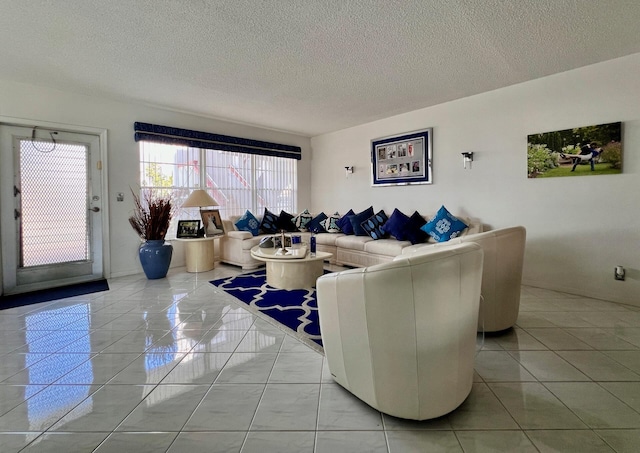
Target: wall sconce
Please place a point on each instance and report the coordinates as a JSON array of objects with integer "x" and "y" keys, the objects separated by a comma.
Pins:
[
  {"x": 349, "y": 170},
  {"x": 467, "y": 158}
]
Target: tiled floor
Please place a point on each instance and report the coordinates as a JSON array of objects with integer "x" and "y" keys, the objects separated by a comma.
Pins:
[{"x": 176, "y": 365}]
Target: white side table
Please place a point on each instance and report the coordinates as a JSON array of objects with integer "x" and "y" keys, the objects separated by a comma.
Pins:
[{"x": 199, "y": 254}]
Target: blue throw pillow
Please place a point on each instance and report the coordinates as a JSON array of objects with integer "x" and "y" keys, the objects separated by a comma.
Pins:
[
  {"x": 374, "y": 225},
  {"x": 285, "y": 222},
  {"x": 357, "y": 219},
  {"x": 330, "y": 224},
  {"x": 269, "y": 222},
  {"x": 444, "y": 226},
  {"x": 412, "y": 231},
  {"x": 345, "y": 224},
  {"x": 315, "y": 224},
  {"x": 395, "y": 225},
  {"x": 248, "y": 222}
]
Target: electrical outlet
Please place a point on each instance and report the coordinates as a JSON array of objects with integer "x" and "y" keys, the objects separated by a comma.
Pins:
[{"x": 618, "y": 273}]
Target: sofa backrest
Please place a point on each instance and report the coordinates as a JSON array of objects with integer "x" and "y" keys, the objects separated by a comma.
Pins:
[{"x": 475, "y": 226}]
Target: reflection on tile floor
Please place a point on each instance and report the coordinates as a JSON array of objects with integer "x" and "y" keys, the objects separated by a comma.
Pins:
[{"x": 177, "y": 365}]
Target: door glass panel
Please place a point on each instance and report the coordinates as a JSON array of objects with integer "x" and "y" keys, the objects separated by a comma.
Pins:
[{"x": 54, "y": 216}]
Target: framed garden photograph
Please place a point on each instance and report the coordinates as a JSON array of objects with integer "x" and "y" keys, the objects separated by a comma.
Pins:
[
  {"x": 212, "y": 222},
  {"x": 402, "y": 159},
  {"x": 188, "y": 229},
  {"x": 581, "y": 151}
]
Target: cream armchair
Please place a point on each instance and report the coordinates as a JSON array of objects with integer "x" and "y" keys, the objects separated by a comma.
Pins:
[
  {"x": 501, "y": 276},
  {"x": 401, "y": 336}
]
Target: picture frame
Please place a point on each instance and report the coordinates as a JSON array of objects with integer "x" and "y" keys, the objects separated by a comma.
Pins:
[
  {"x": 188, "y": 229},
  {"x": 579, "y": 151},
  {"x": 402, "y": 159},
  {"x": 212, "y": 222}
]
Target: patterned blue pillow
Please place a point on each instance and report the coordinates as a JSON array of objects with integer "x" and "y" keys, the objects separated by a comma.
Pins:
[
  {"x": 301, "y": 220},
  {"x": 315, "y": 224},
  {"x": 357, "y": 219},
  {"x": 374, "y": 225},
  {"x": 269, "y": 222},
  {"x": 330, "y": 224},
  {"x": 249, "y": 223},
  {"x": 444, "y": 226},
  {"x": 395, "y": 225},
  {"x": 345, "y": 224}
]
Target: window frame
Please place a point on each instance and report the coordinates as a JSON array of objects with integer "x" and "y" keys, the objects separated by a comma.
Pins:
[{"x": 268, "y": 167}]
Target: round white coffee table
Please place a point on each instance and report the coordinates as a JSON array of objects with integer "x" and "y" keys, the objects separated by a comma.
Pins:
[{"x": 295, "y": 270}]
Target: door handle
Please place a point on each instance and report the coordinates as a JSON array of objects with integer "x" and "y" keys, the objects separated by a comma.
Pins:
[{"x": 95, "y": 209}]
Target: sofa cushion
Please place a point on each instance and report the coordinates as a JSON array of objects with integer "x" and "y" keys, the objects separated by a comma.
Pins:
[
  {"x": 357, "y": 219},
  {"x": 315, "y": 224},
  {"x": 285, "y": 222},
  {"x": 396, "y": 223},
  {"x": 444, "y": 226},
  {"x": 386, "y": 247},
  {"x": 345, "y": 224},
  {"x": 330, "y": 224},
  {"x": 328, "y": 239},
  {"x": 301, "y": 220},
  {"x": 269, "y": 222},
  {"x": 412, "y": 231},
  {"x": 374, "y": 225},
  {"x": 248, "y": 222},
  {"x": 353, "y": 242}
]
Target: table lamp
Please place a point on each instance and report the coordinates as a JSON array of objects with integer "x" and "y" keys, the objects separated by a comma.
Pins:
[{"x": 199, "y": 198}]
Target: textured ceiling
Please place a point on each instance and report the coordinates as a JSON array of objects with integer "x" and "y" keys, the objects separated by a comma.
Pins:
[{"x": 305, "y": 66}]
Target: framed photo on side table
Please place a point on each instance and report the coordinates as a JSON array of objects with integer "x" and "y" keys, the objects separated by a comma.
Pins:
[
  {"x": 188, "y": 229},
  {"x": 212, "y": 222},
  {"x": 402, "y": 159}
]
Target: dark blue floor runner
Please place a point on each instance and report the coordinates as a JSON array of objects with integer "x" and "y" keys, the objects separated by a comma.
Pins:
[{"x": 45, "y": 295}]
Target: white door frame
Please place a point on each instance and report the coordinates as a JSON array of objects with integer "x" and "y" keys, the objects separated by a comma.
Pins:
[{"x": 102, "y": 136}]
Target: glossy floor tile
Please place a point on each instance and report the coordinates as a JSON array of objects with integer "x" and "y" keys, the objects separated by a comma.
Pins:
[{"x": 178, "y": 365}]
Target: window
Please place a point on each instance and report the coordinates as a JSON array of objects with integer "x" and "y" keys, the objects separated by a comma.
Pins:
[
  {"x": 237, "y": 181},
  {"x": 249, "y": 181}
]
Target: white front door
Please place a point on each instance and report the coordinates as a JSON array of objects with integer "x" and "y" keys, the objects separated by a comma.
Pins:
[{"x": 51, "y": 210}]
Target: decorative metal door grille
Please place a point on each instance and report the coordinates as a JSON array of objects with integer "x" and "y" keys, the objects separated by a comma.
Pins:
[{"x": 54, "y": 209}]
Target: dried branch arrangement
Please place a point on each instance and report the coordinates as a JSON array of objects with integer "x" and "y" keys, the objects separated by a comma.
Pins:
[{"x": 151, "y": 215}]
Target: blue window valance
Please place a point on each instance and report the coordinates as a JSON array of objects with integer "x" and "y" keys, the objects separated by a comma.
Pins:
[{"x": 207, "y": 140}]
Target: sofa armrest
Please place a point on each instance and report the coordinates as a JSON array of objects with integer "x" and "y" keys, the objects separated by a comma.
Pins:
[
  {"x": 228, "y": 225},
  {"x": 242, "y": 235}
]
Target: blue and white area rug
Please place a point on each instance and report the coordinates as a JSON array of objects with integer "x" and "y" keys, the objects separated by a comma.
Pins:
[{"x": 296, "y": 309}]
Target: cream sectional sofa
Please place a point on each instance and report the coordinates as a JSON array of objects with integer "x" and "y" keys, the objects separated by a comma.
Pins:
[{"x": 349, "y": 250}]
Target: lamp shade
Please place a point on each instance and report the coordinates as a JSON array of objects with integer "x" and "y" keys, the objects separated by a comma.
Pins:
[{"x": 198, "y": 199}]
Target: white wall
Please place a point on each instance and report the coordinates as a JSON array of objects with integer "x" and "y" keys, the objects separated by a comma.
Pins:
[
  {"x": 43, "y": 104},
  {"x": 578, "y": 228}
]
